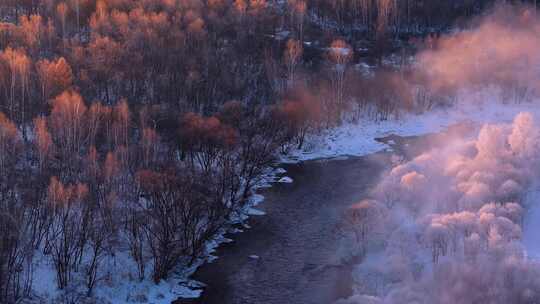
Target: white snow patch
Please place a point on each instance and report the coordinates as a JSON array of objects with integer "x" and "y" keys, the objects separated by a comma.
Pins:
[
  {"x": 253, "y": 211},
  {"x": 119, "y": 283},
  {"x": 358, "y": 139},
  {"x": 285, "y": 180},
  {"x": 256, "y": 199},
  {"x": 280, "y": 171}
]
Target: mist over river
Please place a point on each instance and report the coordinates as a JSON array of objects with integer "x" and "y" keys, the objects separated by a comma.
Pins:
[{"x": 292, "y": 254}]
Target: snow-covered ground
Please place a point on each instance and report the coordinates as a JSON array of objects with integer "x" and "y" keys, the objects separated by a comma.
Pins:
[
  {"x": 118, "y": 282},
  {"x": 356, "y": 139}
]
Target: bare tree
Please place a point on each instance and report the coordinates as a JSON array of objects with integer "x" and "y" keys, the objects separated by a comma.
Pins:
[
  {"x": 43, "y": 139},
  {"x": 9, "y": 143},
  {"x": 292, "y": 57},
  {"x": 363, "y": 220},
  {"x": 16, "y": 250},
  {"x": 62, "y": 11},
  {"x": 339, "y": 54},
  {"x": 66, "y": 237}
]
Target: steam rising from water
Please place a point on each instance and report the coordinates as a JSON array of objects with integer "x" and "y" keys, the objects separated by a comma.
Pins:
[
  {"x": 502, "y": 49},
  {"x": 450, "y": 222},
  {"x": 453, "y": 223},
  {"x": 452, "y": 218}
]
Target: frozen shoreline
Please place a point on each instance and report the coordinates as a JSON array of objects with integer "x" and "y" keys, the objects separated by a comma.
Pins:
[
  {"x": 359, "y": 139},
  {"x": 347, "y": 140}
]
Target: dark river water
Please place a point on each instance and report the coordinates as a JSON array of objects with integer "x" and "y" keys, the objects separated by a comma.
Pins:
[{"x": 296, "y": 241}]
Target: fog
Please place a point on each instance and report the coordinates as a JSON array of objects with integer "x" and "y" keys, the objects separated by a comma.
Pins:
[
  {"x": 453, "y": 223},
  {"x": 453, "y": 218},
  {"x": 500, "y": 48}
]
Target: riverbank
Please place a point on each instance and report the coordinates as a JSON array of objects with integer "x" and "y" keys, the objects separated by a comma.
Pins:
[
  {"x": 293, "y": 253},
  {"x": 293, "y": 247},
  {"x": 289, "y": 255}
]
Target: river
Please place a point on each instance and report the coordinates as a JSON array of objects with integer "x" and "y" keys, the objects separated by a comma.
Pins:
[{"x": 290, "y": 255}]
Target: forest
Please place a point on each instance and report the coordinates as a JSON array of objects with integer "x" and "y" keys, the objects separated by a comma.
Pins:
[{"x": 140, "y": 128}]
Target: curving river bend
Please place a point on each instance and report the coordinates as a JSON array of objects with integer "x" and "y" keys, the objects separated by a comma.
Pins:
[{"x": 296, "y": 241}]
